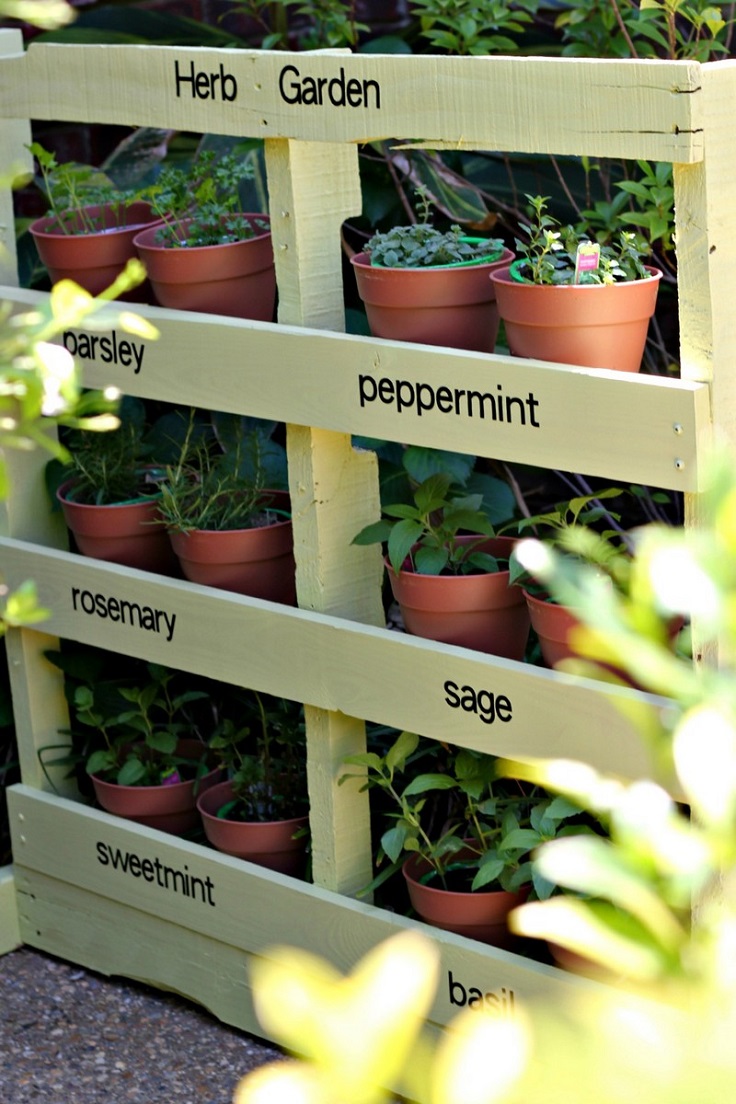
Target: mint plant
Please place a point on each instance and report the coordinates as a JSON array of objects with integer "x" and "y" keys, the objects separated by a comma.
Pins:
[
  {"x": 547, "y": 255},
  {"x": 422, "y": 245},
  {"x": 423, "y": 536}
]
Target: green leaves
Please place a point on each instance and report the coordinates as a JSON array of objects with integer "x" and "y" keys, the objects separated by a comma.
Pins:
[{"x": 423, "y": 536}]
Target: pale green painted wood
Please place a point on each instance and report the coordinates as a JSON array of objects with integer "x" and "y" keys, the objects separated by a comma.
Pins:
[
  {"x": 15, "y": 161},
  {"x": 68, "y": 889},
  {"x": 602, "y": 423},
  {"x": 340, "y": 665},
  {"x": 650, "y": 109},
  {"x": 10, "y": 936},
  {"x": 313, "y": 188}
]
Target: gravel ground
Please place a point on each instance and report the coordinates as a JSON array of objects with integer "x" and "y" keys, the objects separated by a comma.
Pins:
[{"x": 70, "y": 1036}]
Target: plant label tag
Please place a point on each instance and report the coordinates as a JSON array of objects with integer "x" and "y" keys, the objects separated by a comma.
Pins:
[{"x": 587, "y": 258}]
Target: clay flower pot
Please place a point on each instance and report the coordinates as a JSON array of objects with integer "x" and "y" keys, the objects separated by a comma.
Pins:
[
  {"x": 257, "y": 561},
  {"x": 94, "y": 260},
  {"x": 595, "y": 325},
  {"x": 452, "y": 305},
  {"x": 127, "y": 533},
  {"x": 553, "y": 625},
  {"x": 171, "y": 807},
  {"x": 268, "y": 843},
  {"x": 482, "y": 612},
  {"x": 481, "y": 915},
  {"x": 236, "y": 279}
]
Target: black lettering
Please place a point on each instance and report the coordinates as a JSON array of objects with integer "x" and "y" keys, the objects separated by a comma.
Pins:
[
  {"x": 475, "y": 997},
  {"x": 401, "y": 385},
  {"x": 455, "y": 986},
  {"x": 532, "y": 403},
  {"x": 486, "y": 707},
  {"x": 310, "y": 91},
  {"x": 339, "y": 83},
  {"x": 228, "y": 84},
  {"x": 102, "y": 856},
  {"x": 452, "y": 698},
  {"x": 295, "y": 91},
  {"x": 147, "y": 870},
  {"x": 515, "y": 399},
  {"x": 85, "y": 598},
  {"x": 69, "y": 338},
  {"x": 482, "y": 404},
  {"x": 376, "y": 88},
  {"x": 182, "y": 79},
  {"x": 75, "y": 592},
  {"x": 354, "y": 93},
  {"x": 503, "y": 708}
]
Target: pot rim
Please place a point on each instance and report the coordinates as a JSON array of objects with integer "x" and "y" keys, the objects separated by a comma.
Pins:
[{"x": 140, "y": 241}]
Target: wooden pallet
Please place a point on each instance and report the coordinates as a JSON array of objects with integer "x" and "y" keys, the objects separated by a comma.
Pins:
[{"x": 189, "y": 919}]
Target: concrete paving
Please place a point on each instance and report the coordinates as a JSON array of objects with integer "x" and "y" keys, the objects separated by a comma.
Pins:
[{"x": 70, "y": 1036}]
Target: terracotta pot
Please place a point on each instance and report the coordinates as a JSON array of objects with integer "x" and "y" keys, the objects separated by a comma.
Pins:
[
  {"x": 482, "y": 612},
  {"x": 595, "y": 325},
  {"x": 258, "y": 562},
  {"x": 127, "y": 533},
  {"x": 170, "y": 808},
  {"x": 268, "y": 843},
  {"x": 435, "y": 306},
  {"x": 236, "y": 279},
  {"x": 94, "y": 260},
  {"x": 553, "y": 625},
  {"x": 481, "y": 915}
]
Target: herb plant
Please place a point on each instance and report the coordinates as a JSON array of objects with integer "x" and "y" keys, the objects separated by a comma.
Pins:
[
  {"x": 422, "y": 245},
  {"x": 467, "y": 822},
  {"x": 140, "y": 740},
  {"x": 548, "y": 254},
  {"x": 265, "y": 758},
  {"x": 201, "y": 205},
  {"x": 422, "y": 536},
  {"x": 72, "y": 190},
  {"x": 113, "y": 467},
  {"x": 217, "y": 488}
]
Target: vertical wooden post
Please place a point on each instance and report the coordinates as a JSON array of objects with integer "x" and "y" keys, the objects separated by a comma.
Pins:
[
  {"x": 37, "y": 688},
  {"x": 313, "y": 187},
  {"x": 705, "y": 219}
]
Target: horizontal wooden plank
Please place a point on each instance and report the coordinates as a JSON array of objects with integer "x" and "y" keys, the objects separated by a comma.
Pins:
[
  {"x": 86, "y": 886},
  {"x": 365, "y": 672},
  {"x": 648, "y": 109},
  {"x": 10, "y": 936},
  {"x": 631, "y": 428}
]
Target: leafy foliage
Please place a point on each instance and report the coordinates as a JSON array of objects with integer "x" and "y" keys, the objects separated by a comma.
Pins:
[
  {"x": 547, "y": 255},
  {"x": 200, "y": 205},
  {"x": 265, "y": 754},
  {"x": 460, "y": 817},
  {"x": 72, "y": 190}
]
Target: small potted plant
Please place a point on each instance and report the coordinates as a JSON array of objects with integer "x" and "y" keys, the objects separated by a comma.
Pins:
[
  {"x": 111, "y": 494},
  {"x": 461, "y": 835},
  {"x": 260, "y": 811},
  {"x": 228, "y": 528},
  {"x": 207, "y": 254},
  {"x": 569, "y": 300},
  {"x": 422, "y": 284},
  {"x": 88, "y": 234},
  {"x": 449, "y": 570},
  {"x": 151, "y": 764},
  {"x": 573, "y": 527}
]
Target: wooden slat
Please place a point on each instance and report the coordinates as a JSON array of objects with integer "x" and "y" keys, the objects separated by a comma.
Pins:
[
  {"x": 67, "y": 892},
  {"x": 359, "y": 670},
  {"x": 649, "y": 109},
  {"x": 10, "y": 936},
  {"x": 632, "y": 428}
]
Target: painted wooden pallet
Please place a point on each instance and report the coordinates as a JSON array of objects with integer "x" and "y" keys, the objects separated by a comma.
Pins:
[{"x": 333, "y": 652}]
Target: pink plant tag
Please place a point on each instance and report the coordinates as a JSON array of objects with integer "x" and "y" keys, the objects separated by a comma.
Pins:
[
  {"x": 171, "y": 777},
  {"x": 587, "y": 258}
]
